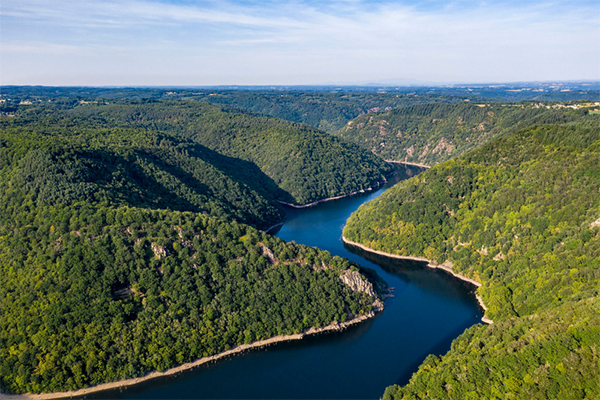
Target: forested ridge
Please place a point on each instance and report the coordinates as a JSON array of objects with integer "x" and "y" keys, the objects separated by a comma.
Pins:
[
  {"x": 432, "y": 133},
  {"x": 324, "y": 107},
  {"x": 57, "y": 164},
  {"x": 328, "y": 111},
  {"x": 125, "y": 249},
  {"x": 307, "y": 165},
  {"x": 522, "y": 216}
]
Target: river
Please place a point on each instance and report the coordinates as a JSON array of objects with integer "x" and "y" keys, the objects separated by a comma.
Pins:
[{"x": 429, "y": 310}]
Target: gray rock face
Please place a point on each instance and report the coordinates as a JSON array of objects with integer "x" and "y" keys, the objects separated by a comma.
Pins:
[
  {"x": 357, "y": 283},
  {"x": 159, "y": 251}
]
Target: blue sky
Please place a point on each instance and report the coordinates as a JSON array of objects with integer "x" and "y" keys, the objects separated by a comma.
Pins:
[{"x": 187, "y": 42}]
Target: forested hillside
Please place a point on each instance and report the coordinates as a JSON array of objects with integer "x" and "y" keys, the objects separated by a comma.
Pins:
[
  {"x": 121, "y": 252},
  {"x": 328, "y": 108},
  {"x": 325, "y": 109},
  {"x": 522, "y": 216},
  {"x": 305, "y": 164},
  {"x": 328, "y": 111},
  {"x": 432, "y": 133},
  {"x": 50, "y": 164}
]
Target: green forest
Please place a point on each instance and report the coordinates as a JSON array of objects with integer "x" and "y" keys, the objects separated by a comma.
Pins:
[
  {"x": 328, "y": 108},
  {"x": 521, "y": 215},
  {"x": 328, "y": 111},
  {"x": 432, "y": 133},
  {"x": 299, "y": 164},
  {"x": 126, "y": 246},
  {"x": 132, "y": 228}
]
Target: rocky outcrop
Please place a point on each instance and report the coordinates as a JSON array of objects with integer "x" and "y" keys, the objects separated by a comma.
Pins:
[
  {"x": 159, "y": 251},
  {"x": 358, "y": 283}
]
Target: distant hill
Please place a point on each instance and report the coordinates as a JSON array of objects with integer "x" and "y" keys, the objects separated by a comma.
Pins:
[
  {"x": 521, "y": 215},
  {"x": 328, "y": 111},
  {"x": 328, "y": 108},
  {"x": 432, "y": 133}
]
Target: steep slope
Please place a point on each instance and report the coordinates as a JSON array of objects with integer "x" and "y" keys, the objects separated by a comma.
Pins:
[
  {"x": 307, "y": 164},
  {"x": 60, "y": 163},
  {"x": 120, "y": 254},
  {"x": 521, "y": 215},
  {"x": 432, "y": 133}
]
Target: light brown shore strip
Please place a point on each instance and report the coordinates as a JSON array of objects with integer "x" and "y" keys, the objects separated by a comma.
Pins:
[
  {"x": 314, "y": 203},
  {"x": 172, "y": 371},
  {"x": 430, "y": 264},
  {"x": 408, "y": 163},
  {"x": 273, "y": 227}
]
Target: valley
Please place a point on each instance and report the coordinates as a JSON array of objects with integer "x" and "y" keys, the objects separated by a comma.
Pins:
[{"x": 132, "y": 241}]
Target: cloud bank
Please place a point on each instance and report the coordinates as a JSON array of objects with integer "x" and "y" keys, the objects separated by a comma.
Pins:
[{"x": 136, "y": 42}]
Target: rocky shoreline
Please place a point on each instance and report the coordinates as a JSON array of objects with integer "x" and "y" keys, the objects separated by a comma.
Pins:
[
  {"x": 314, "y": 203},
  {"x": 335, "y": 326},
  {"x": 408, "y": 163},
  {"x": 445, "y": 267}
]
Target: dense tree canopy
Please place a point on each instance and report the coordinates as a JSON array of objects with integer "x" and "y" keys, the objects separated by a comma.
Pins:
[
  {"x": 522, "y": 216},
  {"x": 432, "y": 133},
  {"x": 301, "y": 164},
  {"x": 125, "y": 249}
]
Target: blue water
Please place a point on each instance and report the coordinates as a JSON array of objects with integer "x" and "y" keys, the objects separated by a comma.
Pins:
[{"x": 429, "y": 310}]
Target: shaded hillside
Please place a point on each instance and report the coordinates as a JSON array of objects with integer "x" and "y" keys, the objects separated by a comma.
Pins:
[
  {"x": 306, "y": 164},
  {"x": 522, "y": 216},
  {"x": 432, "y": 133},
  {"x": 59, "y": 162},
  {"x": 120, "y": 254}
]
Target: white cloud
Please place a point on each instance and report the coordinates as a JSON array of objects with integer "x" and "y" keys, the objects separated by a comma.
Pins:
[{"x": 300, "y": 42}]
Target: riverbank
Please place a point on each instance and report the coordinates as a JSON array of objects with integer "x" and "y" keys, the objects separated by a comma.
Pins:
[
  {"x": 445, "y": 267},
  {"x": 336, "y": 326},
  {"x": 269, "y": 229},
  {"x": 314, "y": 203},
  {"x": 361, "y": 191},
  {"x": 408, "y": 163}
]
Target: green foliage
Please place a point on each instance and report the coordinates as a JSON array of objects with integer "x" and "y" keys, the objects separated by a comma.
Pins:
[
  {"x": 519, "y": 215},
  {"x": 432, "y": 133},
  {"x": 301, "y": 164},
  {"x": 122, "y": 248},
  {"x": 328, "y": 111},
  {"x": 92, "y": 294},
  {"x": 53, "y": 164}
]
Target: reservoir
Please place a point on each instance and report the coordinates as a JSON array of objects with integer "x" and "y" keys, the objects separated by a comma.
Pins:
[{"x": 429, "y": 309}]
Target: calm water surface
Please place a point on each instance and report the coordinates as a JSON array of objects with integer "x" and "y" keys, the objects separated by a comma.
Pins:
[{"x": 429, "y": 310}]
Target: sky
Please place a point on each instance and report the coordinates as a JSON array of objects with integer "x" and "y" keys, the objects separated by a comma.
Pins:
[{"x": 301, "y": 42}]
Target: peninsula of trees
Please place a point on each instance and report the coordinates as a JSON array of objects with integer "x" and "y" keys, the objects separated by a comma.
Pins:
[{"x": 126, "y": 245}]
